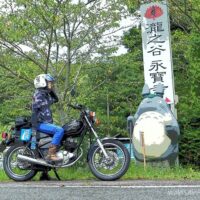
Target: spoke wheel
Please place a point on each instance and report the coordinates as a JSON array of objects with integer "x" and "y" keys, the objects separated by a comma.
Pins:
[
  {"x": 16, "y": 169},
  {"x": 112, "y": 167}
]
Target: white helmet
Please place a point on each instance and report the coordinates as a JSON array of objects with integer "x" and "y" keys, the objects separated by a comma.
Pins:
[{"x": 41, "y": 80}]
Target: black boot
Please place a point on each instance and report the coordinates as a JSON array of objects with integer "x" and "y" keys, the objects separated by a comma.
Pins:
[{"x": 44, "y": 176}]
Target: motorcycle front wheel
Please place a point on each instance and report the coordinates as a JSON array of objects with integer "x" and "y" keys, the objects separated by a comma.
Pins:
[
  {"x": 113, "y": 167},
  {"x": 16, "y": 169}
]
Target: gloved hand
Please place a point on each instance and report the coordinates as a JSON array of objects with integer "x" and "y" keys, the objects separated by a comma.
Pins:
[{"x": 54, "y": 96}]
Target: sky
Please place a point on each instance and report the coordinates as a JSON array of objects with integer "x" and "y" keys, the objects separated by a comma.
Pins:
[{"x": 129, "y": 22}]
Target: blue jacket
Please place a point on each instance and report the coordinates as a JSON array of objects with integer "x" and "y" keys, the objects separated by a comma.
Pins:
[{"x": 41, "y": 112}]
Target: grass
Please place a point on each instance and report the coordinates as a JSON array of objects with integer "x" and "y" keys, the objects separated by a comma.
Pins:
[
  {"x": 135, "y": 172},
  {"x": 162, "y": 173}
]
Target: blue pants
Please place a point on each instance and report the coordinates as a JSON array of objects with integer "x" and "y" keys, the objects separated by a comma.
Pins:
[{"x": 52, "y": 129}]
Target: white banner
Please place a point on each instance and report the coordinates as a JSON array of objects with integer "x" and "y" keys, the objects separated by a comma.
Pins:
[{"x": 156, "y": 44}]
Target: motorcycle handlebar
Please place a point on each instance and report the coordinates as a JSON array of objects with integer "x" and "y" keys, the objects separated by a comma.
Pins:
[{"x": 77, "y": 106}]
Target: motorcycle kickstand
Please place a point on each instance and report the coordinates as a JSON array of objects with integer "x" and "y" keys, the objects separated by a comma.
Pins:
[{"x": 57, "y": 176}]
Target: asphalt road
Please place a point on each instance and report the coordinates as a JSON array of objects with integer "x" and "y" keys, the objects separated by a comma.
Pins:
[{"x": 99, "y": 190}]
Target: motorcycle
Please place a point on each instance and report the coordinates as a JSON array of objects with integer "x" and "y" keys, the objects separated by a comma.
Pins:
[{"x": 108, "y": 158}]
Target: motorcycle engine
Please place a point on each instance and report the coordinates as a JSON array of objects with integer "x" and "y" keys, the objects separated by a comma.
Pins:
[
  {"x": 64, "y": 155},
  {"x": 70, "y": 144}
]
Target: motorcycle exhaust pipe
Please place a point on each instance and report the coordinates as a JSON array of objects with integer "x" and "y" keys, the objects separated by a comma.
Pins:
[{"x": 34, "y": 161}]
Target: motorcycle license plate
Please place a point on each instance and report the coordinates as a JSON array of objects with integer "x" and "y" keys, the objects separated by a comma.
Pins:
[{"x": 25, "y": 135}]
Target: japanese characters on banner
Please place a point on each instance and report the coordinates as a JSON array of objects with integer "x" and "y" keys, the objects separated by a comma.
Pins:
[{"x": 156, "y": 48}]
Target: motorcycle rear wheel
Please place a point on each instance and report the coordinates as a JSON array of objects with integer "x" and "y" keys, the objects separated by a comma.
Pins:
[
  {"x": 112, "y": 168},
  {"x": 16, "y": 169}
]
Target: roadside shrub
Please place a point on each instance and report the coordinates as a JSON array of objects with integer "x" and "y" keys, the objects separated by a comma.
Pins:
[{"x": 190, "y": 147}]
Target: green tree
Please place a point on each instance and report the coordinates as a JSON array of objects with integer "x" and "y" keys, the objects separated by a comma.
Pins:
[
  {"x": 51, "y": 36},
  {"x": 113, "y": 90}
]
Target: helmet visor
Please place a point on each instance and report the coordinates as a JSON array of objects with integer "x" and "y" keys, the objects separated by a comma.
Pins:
[{"x": 49, "y": 78}]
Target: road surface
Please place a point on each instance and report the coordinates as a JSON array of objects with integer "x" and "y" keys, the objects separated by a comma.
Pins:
[{"x": 99, "y": 190}]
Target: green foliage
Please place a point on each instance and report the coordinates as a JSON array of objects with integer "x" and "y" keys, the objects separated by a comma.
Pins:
[
  {"x": 186, "y": 49},
  {"x": 186, "y": 65},
  {"x": 111, "y": 86},
  {"x": 186, "y": 68},
  {"x": 15, "y": 99},
  {"x": 189, "y": 146},
  {"x": 132, "y": 40}
]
